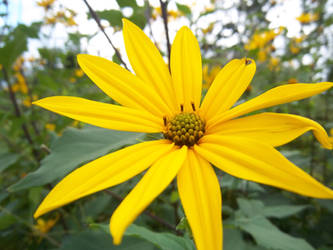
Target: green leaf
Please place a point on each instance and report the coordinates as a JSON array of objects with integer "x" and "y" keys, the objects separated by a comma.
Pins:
[
  {"x": 138, "y": 18},
  {"x": 164, "y": 241},
  {"x": 257, "y": 208},
  {"x": 72, "y": 149},
  {"x": 12, "y": 49},
  {"x": 112, "y": 16},
  {"x": 6, "y": 220},
  {"x": 139, "y": 15},
  {"x": 101, "y": 241},
  {"x": 250, "y": 207},
  {"x": 7, "y": 214},
  {"x": 283, "y": 210},
  {"x": 127, "y": 3},
  {"x": 251, "y": 218},
  {"x": 96, "y": 205},
  {"x": 116, "y": 59},
  {"x": 32, "y": 30},
  {"x": 15, "y": 43},
  {"x": 328, "y": 204},
  {"x": 6, "y": 160},
  {"x": 269, "y": 236},
  {"x": 184, "y": 8},
  {"x": 233, "y": 240}
]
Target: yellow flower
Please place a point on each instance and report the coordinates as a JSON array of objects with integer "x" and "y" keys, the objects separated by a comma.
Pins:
[
  {"x": 209, "y": 28},
  {"x": 292, "y": 80},
  {"x": 46, "y": 4},
  {"x": 70, "y": 21},
  {"x": 79, "y": 72},
  {"x": 174, "y": 14},
  {"x": 209, "y": 76},
  {"x": 15, "y": 87},
  {"x": 18, "y": 63},
  {"x": 45, "y": 226},
  {"x": 196, "y": 134},
  {"x": 259, "y": 40},
  {"x": 294, "y": 49},
  {"x": 31, "y": 59},
  {"x": 20, "y": 84},
  {"x": 308, "y": 17},
  {"x": 274, "y": 63},
  {"x": 171, "y": 13},
  {"x": 50, "y": 20},
  {"x": 72, "y": 79},
  {"x": 0, "y": 66},
  {"x": 50, "y": 126},
  {"x": 27, "y": 101},
  {"x": 299, "y": 39},
  {"x": 262, "y": 55},
  {"x": 60, "y": 14}
]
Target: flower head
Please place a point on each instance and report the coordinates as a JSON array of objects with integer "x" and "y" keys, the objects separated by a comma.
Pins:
[
  {"x": 45, "y": 226},
  {"x": 197, "y": 134},
  {"x": 46, "y": 4},
  {"x": 308, "y": 17}
]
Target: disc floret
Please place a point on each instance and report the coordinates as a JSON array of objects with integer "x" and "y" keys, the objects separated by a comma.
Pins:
[{"x": 185, "y": 129}]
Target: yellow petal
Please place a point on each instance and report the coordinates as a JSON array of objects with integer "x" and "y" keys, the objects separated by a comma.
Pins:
[
  {"x": 102, "y": 114},
  {"x": 148, "y": 63},
  {"x": 255, "y": 161},
  {"x": 228, "y": 86},
  {"x": 156, "y": 179},
  {"x": 200, "y": 195},
  {"x": 186, "y": 69},
  {"x": 103, "y": 173},
  {"x": 273, "y": 97},
  {"x": 272, "y": 128},
  {"x": 121, "y": 85}
]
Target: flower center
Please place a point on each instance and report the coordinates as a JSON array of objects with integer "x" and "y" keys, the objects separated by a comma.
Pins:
[{"x": 184, "y": 129}]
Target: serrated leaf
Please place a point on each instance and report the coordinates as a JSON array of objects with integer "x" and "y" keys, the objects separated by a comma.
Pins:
[
  {"x": 72, "y": 149},
  {"x": 269, "y": 236}
]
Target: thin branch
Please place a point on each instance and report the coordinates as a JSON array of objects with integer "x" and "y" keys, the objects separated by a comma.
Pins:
[
  {"x": 97, "y": 20},
  {"x": 164, "y": 9},
  {"x": 154, "y": 217},
  {"x": 18, "y": 114}
]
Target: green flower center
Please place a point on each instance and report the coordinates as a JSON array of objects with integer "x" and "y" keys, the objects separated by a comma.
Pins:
[{"x": 184, "y": 129}]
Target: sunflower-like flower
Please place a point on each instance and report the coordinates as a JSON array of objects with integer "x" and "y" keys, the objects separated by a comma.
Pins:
[{"x": 197, "y": 134}]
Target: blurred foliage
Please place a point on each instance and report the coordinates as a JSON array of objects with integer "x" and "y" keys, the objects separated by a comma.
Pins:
[{"x": 38, "y": 148}]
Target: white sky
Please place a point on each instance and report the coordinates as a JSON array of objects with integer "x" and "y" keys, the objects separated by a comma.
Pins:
[{"x": 27, "y": 11}]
